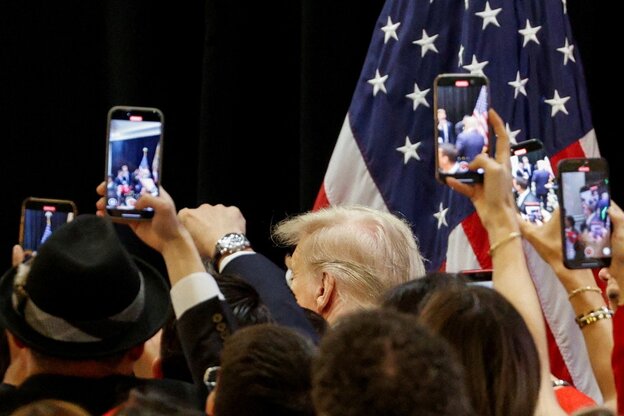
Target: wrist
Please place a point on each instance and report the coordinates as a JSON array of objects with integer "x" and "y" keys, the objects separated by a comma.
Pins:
[{"x": 230, "y": 243}]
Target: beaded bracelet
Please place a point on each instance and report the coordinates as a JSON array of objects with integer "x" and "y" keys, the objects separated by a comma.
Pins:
[
  {"x": 510, "y": 237},
  {"x": 594, "y": 316},
  {"x": 584, "y": 289}
]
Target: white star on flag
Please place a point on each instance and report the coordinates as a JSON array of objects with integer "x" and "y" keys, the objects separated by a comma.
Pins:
[
  {"x": 426, "y": 43},
  {"x": 511, "y": 134},
  {"x": 489, "y": 15},
  {"x": 475, "y": 66},
  {"x": 518, "y": 85},
  {"x": 568, "y": 52},
  {"x": 557, "y": 103},
  {"x": 378, "y": 83},
  {"x": 390, "y": 30},
  {"x": 441, "y": 216},
  {"x": 418, "y": 97},
  {"x": 409, "y": 150},
  {"x": 529, "y": 33}
]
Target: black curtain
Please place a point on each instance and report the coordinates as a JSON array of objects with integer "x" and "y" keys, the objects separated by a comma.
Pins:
[{"x": 254, "y": 95}]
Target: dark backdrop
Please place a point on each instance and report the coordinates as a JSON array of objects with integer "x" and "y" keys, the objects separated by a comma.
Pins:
[{"x": 254, "y": 95}]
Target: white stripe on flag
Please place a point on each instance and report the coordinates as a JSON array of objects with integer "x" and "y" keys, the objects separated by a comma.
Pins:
[{"x": 347, "y": 180}]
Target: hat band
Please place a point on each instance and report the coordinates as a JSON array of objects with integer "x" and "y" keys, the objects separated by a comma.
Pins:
[{"x": 60, "y": 329}]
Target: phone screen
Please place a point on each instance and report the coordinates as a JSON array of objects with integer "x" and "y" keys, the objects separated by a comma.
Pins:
[
  {"x": 534, "y": 184},
  {"x": 133, "y": 161},
  {"x": 585, "y": 199},
  {"x": 40, "y": 218},
  {"x": 461, "y": 129}
]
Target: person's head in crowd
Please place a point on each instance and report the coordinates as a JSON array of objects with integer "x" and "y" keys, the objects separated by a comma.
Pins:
[
  {"x": 409, "y": 297},
  {"x": 346, "y": 256},
  {"x": 83, "y": 306},
  {"x": 247, "y": 308},
  {"x": 494, "y": 345},
  {"x": 244, "y": 300},
  {"x": 447, "y": 156},
  {"x": 265, "y": 371},
  {"x": 382, "y": 362},
  {"x": 50, "y": 407},
  {"x": 143, "y": 401}
]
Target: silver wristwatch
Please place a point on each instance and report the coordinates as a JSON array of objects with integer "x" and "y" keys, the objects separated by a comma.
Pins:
[{"x": 228, "y": 244}]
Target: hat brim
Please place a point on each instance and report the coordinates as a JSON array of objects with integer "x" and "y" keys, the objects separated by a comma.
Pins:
[{"x": 153, "y": 317}]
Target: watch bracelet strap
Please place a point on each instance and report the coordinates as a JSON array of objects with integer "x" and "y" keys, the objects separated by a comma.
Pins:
[{"x": 224, "y": 252}]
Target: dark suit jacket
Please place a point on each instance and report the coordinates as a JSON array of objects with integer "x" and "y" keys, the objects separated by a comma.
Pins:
[
  {"x": 269, "y": 281},
  {"x": 540, "y": 178},
  {"x": 469, "y": 145},
  {"x": 203, "y": 328},
  {"x": 450, "y": 133},
  {"x": 97, "y": 395}
]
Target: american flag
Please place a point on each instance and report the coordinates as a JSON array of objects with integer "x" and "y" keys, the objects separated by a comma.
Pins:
[
  {"x": 384, "y": 156},
  {"x": 480, "y": 114}
]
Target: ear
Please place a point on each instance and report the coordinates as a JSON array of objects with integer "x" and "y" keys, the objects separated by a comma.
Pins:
[{"x": 325, "y": 293}]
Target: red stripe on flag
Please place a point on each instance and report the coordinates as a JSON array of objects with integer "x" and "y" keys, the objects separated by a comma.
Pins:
[
  {"x": 573, "y": 150},
  {"x": 477, "y": 236},
  {"x": 321, "y": 199}
]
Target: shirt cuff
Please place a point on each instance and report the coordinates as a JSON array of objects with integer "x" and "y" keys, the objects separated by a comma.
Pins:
[{"x": 193, "y": 290}]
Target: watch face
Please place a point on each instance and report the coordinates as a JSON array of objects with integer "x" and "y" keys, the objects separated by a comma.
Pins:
[{"x": 233, "y": 241}]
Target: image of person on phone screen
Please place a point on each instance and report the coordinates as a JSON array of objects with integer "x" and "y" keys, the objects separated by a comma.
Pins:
[
  {"x": 447, "y": 158},
  {"x": 594, "y": 235},
  {"x": 470, "y": 142},
  {"x": 446, "y": 129},
  {"x": 542, "y": 181}
]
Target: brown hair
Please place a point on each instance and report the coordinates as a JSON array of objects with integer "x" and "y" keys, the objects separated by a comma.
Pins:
[{"x": 493, "y": 342}]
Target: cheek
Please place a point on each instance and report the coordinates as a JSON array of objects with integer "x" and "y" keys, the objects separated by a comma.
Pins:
[{"x": 303, "y": 292}]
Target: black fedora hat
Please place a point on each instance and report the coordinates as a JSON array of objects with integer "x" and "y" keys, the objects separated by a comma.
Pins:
[{"x": 83, "y": 295}]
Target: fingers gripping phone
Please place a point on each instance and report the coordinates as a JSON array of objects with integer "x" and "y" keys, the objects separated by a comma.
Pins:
[
  {"x": 533, "y": 180},
  {"x": 585, "y": 197},
  {"x": 461, "y": 129},
  {"x": 40, "y": 218},
  {"x": 133, "y": 159}
]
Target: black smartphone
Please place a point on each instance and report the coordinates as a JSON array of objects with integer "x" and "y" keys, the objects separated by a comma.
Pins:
[
  {"x": 461, "y": 129},
  {"x": 134, "y": 145},
  {"x": 40, "y": 217},
  {"x": 584, "y": 196},
  {"x": 534, "y": 182}
]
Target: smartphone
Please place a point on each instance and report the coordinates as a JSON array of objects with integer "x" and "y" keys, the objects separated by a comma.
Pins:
[
  {"x": 534, "y": 183},
  {"x": 134, "y": 145},
  {"x": 461, "y": 129},
  {"x": 40, "y": 218},
  {"x": 584, "y": 197}
]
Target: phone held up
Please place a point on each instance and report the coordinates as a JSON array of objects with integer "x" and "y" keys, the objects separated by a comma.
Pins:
[
  {"x": 134, "y": 140},
  {"x": 585, "y": 197},
  {"x": 461, "y": 129},
  {"x": 40, "y": 218},
  {"x": 534, "y": 184}
]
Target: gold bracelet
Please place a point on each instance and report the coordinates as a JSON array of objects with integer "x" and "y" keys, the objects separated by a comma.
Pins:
[
  {"x": 594, "y": 316},
  {"x": 510, "y": 237},
  {"x": 584, "y": 289}
]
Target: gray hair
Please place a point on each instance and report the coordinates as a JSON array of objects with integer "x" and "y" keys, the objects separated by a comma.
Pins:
[{"x": 367, "y": 250}]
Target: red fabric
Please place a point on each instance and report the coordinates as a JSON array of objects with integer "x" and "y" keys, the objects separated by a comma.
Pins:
[
  {"x": 321, "y": 199},
  {"x": 617, "y": 358},
  {"x": 571, "y": 400}
]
